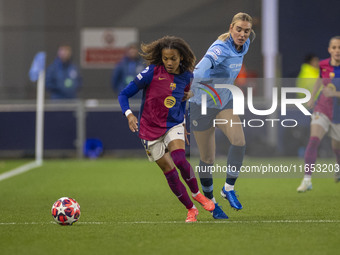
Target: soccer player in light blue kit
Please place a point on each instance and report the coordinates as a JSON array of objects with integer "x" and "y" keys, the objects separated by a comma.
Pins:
[{"x": 222, "y": 62}]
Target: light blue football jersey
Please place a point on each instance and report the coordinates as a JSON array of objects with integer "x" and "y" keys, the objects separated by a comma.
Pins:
[{"x": 226, "y": 64}]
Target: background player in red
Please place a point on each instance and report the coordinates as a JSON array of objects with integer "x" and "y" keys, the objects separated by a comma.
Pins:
[
  {"x": 168, "y": 75},
  {"x": 326, "y": 115}
]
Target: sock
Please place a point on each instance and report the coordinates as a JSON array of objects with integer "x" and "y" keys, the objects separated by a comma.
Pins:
[
  {"x": 195, "y": 194},
  {"x": 178, "y": 188},
  {"x": 311, "y": 153},
  {"x": 307, "y": 177},
  {"x": 235, "y": 160},
  {"x": 193, "y": 207},
  {"x": 178, "y": 156},
  {"x": 228, "y": 187},
  {"x": 206, "y": 179},
  {"x": 214, "y": 200},
  {"x": 337, "y": 154}
]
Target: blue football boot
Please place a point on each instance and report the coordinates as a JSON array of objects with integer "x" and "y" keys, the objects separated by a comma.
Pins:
[
  {"x": 232, "y": 198},
  {"x": 218, "y": 213}
]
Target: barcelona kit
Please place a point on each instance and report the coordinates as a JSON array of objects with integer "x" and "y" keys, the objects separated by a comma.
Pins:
[
  {"x": 330, "y": 106},
  {"x": 162, "y": 107}
]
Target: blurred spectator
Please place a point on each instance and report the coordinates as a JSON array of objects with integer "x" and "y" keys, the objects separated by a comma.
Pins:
[
  {"x": 62, "y": 77},
  {"x": 127, "y": 69},
  {"x": 308, "y": 74},
  {"x": 245, "y": 79}
]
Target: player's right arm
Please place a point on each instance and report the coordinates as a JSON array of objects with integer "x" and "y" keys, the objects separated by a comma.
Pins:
[
  {"x": 142, "y": 80},
  {"x": 123, "y": 99}
]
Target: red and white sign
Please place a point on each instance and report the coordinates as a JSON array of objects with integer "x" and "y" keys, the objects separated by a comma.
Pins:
[{"x": 104, "y": 47}]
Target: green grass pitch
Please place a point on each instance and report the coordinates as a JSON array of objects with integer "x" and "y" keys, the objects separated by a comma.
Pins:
[{"x": 127, "y": 208}]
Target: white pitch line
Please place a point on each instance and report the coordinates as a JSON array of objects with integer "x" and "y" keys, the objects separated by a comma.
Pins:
[
  {"x": 19, "y": 170},
  {"x": 178, "y": 222}
]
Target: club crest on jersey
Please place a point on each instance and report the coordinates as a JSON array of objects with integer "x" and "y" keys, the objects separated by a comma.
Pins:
[
  {"x": 172, "y": 86},
  {"x": 169, "y": 102}
]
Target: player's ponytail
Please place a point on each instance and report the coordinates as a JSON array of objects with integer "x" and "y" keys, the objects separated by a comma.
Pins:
[{"x": 224, "y": 37}]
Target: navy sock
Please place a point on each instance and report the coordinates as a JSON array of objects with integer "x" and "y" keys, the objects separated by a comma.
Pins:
[
  {"x": 206, "y": 179},
  {"x": 235, "y": 160}
]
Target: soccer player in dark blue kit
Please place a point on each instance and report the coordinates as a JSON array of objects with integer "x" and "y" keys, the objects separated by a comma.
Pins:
[
  {"x": 168, "y": 75},
  {"x": 222, "y": 61}
]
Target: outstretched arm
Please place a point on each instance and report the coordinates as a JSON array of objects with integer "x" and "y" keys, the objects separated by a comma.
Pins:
[{"x": 204, "y": 65}]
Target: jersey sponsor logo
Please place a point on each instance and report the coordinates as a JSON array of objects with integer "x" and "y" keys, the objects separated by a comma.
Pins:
[
  {"x": 145, "y": 70},
  {"x": 235, "y": 65},
  {"x": 213, "y": 55},
  {"x": 172, "y": 86},
  {"x": 169, "y": 102},
  {"x": 139, "y": 76},
  {"x": 161, "y": 78}
]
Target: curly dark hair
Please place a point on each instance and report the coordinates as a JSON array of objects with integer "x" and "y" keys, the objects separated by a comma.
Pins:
[{"x": 152, "y": 52}]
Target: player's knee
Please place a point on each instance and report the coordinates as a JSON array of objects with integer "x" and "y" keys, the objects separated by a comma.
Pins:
[
  {"x": 238, "y": 141},
  {"x": 178, "y": 157},
  {"x": 208, "y": 159}
]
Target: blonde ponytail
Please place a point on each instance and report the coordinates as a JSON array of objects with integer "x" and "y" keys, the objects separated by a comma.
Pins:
[{"x": 224, "y": 37}]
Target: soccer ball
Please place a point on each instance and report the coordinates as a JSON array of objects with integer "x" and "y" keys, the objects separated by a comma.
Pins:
[{"x": 66, "y": 211}]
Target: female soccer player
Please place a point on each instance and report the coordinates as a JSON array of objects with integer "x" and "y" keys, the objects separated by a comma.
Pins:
[
  {"x": 326, "y": 114},
  {"x": 223, "y": 60},
  {"x": 161, "y": 116}
]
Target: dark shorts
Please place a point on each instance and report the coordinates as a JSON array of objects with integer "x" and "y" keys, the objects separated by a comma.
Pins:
[{"x": 199, "y": 122}]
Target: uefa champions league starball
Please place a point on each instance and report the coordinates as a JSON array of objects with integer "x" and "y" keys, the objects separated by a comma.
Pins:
[{"x": 66, "y": 211}]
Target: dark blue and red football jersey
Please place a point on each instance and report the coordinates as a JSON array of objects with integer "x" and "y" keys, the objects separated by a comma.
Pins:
[
  {"x": 162, "y": 107},
  {"x": 330, "y": 106}
]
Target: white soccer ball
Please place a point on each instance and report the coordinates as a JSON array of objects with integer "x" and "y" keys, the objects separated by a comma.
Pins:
[{"x": 66, "y": 211}]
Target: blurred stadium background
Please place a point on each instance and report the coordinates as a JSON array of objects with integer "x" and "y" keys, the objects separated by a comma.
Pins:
[
  {"x": 127, "y": 208},
  {"x": 27, "y": 27}
]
